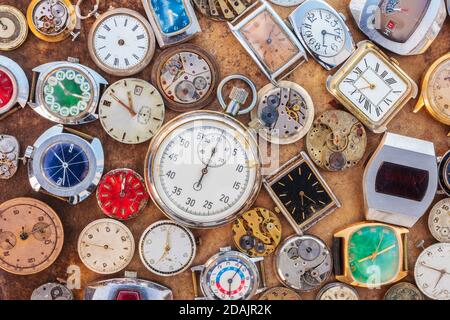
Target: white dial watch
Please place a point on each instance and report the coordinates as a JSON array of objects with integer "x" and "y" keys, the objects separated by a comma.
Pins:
[
  {"x": 287, "y": 3},
  {"x": 439, "y": 220}
]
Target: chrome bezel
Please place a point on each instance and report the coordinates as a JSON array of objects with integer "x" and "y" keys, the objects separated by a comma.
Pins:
[{"x": 20, "y": 83}]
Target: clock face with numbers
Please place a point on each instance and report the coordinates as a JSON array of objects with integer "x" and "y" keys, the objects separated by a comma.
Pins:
[
  {"x": 106, "y": 246},
  {"x": 439, "y": 220},
  {"x": 121, "y": 42},
  {"x": 31, "y": 236}
]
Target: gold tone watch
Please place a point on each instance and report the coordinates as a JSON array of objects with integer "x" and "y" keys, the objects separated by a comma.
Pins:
[
  {"x": 13, "y": 28},
  {"x": 372, "y": 86}
]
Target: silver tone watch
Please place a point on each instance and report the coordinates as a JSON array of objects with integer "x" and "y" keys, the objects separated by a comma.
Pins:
[
  {"x": 400, "y": 180},
  {"x": 65, "y": 164},
  {"x": 404, "y": 27},
  {"x": 127, "y": 288},
  {"x": 9, "y": 156},
  {"x": 323, "y": 33},
  {"x": 52, "y": 291}
]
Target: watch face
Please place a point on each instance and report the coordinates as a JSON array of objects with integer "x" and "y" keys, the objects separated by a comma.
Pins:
[
  {"x": 67, "y": 93},
  {"x": 337, "y": 291},
  {"x": 31, "y": 236},
  {"x": 50, "y": 17},
  {"x": 374, "y": 255},
  {"x": 131, "y": 111},
  {"x": 323, "y": 32},
  {"x": 398, "y": 19},
  {"x": 373, "y": 87},
  {"x": 439, "y": 221},
  {"x": 172, "y": 16},
  {"x": 121, "y": 194},
  {"x": 431, "y": 271},
  {"x": 106, "y": 246},
  {"x": 7, "y": 89},
  {"x": 13, "y": 27},
  {"x": 167, "y": 248},
  {"x": 269, "y": 41},
  {"x": 403, "y": 291},
  {"x": 287, "y": 3},
  {"x": 122, "y": 42},
  {"x": 439, "y": 90},
  {"x": 280, "y": 293}
]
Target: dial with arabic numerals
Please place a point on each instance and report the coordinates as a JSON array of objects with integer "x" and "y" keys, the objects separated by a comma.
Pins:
[
  {"x": 106, "y": 246},
  {"x": 323, "y": 32},
  {"x": 373, "y": 87}
]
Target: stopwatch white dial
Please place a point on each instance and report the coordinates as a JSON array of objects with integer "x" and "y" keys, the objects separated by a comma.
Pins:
[
  {"x": 106, "y": 246},
  {"x": 203, "y": 169},
  {"x": 167, "y": 248}
]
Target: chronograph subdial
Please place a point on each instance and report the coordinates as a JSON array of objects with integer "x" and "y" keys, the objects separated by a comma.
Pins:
[{"x": 214, "y": 150}]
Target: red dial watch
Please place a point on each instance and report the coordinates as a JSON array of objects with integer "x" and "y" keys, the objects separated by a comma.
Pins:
[
  {"x": 121, "y": 194},
  {"x": 6, "y": 89}
]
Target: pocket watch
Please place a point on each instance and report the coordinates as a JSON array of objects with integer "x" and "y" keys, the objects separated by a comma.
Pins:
[
  {"x": 400, "y": 180},
  {"x": 301, "y": 193},
  {"x": 303, "y": 262},
  {"x": 432, "y": 273},
  {"x": 121, "y": 194},
  {"x": 444, "y": 173},
  {"x": 435, "y": 95},
  {"x": 372, "y": 86},
  {"x": 9, "y": 156},
  {"x": 14, "y": 87},
  {"x": 229, "y": 275},
  {"x": 257, "y": 232},
  {"x": 439, "y": 221},
  {"x": 323, "y": 32},
  {"x": 121, "y": 42},
  {"x": 284, "y": 113},
  {"x": 53, "y": 20},
  {"x": 131, "y": 111},
  {"x": 31, "y": 236},
  {"x": 222, "y": 10},
  {"x": 280, "y": 293},
  {"x": 65, "y": 163},
  {"x": 167, "y": 248},
  {"x": 403, "y": 291},
  {"x": 268, "y": 40},
  {"x": 172, "y": 21},
  {"x": 13, "y": 28},
  {"x": 370, "y": 254},
  {"x": 127, "y": 288},
  {"x": 337, "y": 291},
  {"x": 106, "y": 246},
  {"x": 66, "y": 92},
  {"x": 186, "y": 76},
  {"x": 402, "y": 26},
  {"x": 52, "y": 291}
]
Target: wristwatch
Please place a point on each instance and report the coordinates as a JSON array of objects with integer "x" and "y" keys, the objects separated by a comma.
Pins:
[
  {"x": 268, "y": 40},
  {"x": 66, "y": 92},
  {"x": 402, "y": 26},
  {"x": 444, "y": 173},
  {"x": 172, "y": 21},
  {"x": 65, "y": 163},
  {"x": 370, "y": 255},
  {"x": 323, "y": 32},
  {"x": 229, "y": 275},
  {"x": 400, "y": 180},
  {"x": 14, "y": 88}
]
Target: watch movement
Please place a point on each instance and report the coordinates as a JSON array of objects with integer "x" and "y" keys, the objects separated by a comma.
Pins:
[
  {"x": 337, "y": 291},
  {"x": 52, "y": 291},
  {"x": 13, "y": 28},
  {"x": 403, "y": 291},
  {"x": 439, "y": 220},
  {"x": 9, "y": 156}
]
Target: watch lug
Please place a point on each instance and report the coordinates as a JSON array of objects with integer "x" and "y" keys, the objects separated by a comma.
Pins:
[
  {"x": 225, "y": 249},
  {"x": 73, "y": 60},
  {"x": 420, "y": 104}
]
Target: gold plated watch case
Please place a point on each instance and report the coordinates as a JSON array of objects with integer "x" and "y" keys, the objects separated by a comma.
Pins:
[{"x": 13, "y": 28}]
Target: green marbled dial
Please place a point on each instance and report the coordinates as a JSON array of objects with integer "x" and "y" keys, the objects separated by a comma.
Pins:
[
  {"x": 67, "y": 93},
  {"x": 373, "y": 253}
]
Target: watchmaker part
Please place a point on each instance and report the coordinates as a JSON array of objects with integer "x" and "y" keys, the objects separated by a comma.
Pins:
[
  {"x": 222, "y": 10},
  {"x": 52, "y": 291},
  {"x": 303, "y": 263},
  {"x": 13, "y": 28},
  {"x": 9, "y": 156},
  {"x": 257, "y": 232},
  {"x": 403, "y": 291},
  {"x": 186, "y": 76},
  {"x": 337, "y": 291},
  {"x": 284, "y": 113},
  {"x": 337, "y": 141},
  {"x": 439, "y": 220},
  {"x": 280, "y": 293}
]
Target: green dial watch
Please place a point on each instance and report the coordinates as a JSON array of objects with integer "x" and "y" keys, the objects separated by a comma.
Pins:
[{"x": 370, "y": 254}]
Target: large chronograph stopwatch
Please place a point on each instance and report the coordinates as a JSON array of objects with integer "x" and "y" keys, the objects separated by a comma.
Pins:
[{"x": 203, "y": 168}]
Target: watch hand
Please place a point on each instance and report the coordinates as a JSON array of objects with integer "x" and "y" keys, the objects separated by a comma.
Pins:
[
  {"x": 4, "y": 27},
  {"x": 123, "y": 104},
  {"x": 99, "y": 246},
  {"x": 63, "y": 87},
  {"x": 130, "y": 100},
  {"x": 205, "y": 169},
  {"x": 39, "y": 229},
  {"x": 375, "y": 254},
  {"x": 435, "y": 269},
  {"x": 371, "y": 85},
  {"x": 309, "y": 198},
  {"x": 122, "y": 186},
  {"x": 302, "y": 197},
  {"x": 230, "y": 280},
  {"x": 378, "y": 246},
  {"x": 77, "y": 96}
]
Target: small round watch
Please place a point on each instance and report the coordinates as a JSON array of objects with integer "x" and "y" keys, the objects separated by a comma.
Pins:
[
  {"x": 14, "y": 87},
  {"x": 444, "y": 173},
  {"x": 131, "y": 111},
  {"x": 403, "y": 291},
  {"x": 13, "y": 28},
  {"x": 121, "y": 194},
  {"x": 106, "y": 246},
  {"x": 65, "y": 163},
  {"x": 167, "y": 248},
  {"x": 121, "y": 42},
  {"x": 337, "y": 291},
  {"x": 66, "y": 92},
  {"x": 280, "y": 293},
  {"x": 439, "y": 220}
]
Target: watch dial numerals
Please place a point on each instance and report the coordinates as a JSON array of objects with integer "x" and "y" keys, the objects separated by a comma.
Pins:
[
  {"x": 439, "y": 220},
  {"x": 373, "y": 87}
]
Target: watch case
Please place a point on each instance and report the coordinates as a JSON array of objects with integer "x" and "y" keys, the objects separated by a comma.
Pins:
[{"x": 22, "y": 90}]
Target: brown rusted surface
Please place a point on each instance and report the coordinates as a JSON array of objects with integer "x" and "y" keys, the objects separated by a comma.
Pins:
[{"x": 27, "y": 126}]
